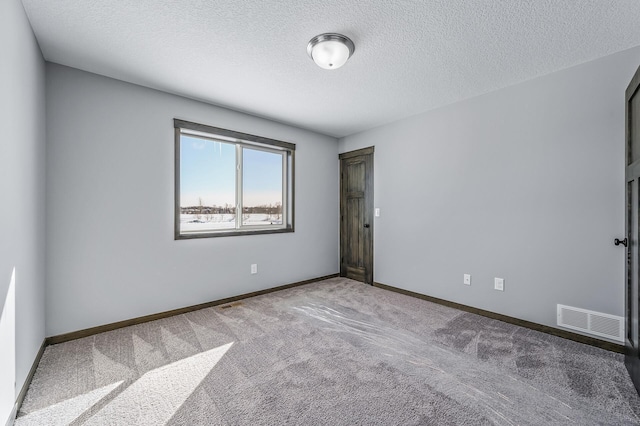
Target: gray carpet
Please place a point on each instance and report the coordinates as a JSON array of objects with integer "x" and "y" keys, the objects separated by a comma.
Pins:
[{"x": 335, "y": 352}]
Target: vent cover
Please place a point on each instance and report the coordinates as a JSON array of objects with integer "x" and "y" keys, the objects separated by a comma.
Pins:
[{"x": 591, "y": 322}]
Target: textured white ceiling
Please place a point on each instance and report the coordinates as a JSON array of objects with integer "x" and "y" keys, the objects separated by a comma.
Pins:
[{"x": 411, "y": 55}]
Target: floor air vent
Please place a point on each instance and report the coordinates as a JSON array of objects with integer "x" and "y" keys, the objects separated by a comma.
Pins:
[
  {"x": 231, "y": 305},
  {"x": 591, "y": 322}
]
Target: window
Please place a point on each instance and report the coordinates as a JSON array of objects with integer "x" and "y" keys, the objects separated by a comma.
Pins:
[{"x": 231, "y": 183}]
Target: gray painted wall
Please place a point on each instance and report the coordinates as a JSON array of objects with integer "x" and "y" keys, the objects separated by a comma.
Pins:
[
  {"x": 22, "y": 162},
  {"x": 110, "y": 169},
  {"x": 525, "y": 184}
]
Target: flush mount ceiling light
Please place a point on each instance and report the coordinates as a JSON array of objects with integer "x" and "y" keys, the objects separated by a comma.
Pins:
[{"x": 330, "y": 50}]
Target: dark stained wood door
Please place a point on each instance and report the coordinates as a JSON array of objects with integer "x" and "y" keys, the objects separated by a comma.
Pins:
[
  {"x": 632, "y": 174},
  {"x": 356, "y": 215}
]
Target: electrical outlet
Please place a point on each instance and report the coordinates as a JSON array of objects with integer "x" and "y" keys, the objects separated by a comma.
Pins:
[
  {"x": 254, "y": 268},
  {"x": 467, "y": 279},
  {"x": 498, "y": 284},
  {"x": 377, "y": 212}
]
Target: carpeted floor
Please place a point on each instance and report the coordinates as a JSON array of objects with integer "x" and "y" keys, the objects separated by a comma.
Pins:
[{"x": 336, "y": 352}]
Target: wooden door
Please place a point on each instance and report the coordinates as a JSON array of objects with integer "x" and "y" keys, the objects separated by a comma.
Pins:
[
  {"x": 632, "y": 174},
  {"x": 356, "y": 215}
]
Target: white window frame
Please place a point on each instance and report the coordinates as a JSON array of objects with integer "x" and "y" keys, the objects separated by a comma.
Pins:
[{"x": 240, "y": 141}]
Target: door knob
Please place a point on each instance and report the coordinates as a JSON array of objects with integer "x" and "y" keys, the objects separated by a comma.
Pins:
[
  {"x": 366, "y": 225},
  {"x": 618, "y": 242}
]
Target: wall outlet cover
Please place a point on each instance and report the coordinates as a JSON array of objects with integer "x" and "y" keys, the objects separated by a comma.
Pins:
[
  {"x": 467, "y": 279},
  {"x": 498, "y": 284}
]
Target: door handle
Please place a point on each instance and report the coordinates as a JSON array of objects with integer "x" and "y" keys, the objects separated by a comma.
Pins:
[
  {"x": 366, "y": 225},
  {"x": 618, "y": 242}
]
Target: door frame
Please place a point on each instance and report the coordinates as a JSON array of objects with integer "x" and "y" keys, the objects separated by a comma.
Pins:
[
  {"x": 632, "y": 264},
  {"x": 369, "y": 210}
]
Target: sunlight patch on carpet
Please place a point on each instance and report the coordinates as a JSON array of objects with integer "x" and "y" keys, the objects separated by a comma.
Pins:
[
  {"x": 65, "y": 412},
  {"x": 156, "y": 396}
]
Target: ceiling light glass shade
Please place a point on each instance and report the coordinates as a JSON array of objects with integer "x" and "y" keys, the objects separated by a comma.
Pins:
[{"x": 330, "y": 51}]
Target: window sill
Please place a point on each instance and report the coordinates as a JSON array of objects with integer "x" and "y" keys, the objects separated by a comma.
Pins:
[{"x": 232, "y": 233}]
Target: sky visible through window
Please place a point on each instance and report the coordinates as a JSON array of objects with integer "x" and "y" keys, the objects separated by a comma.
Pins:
[{"x": 207, "y": 174}]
